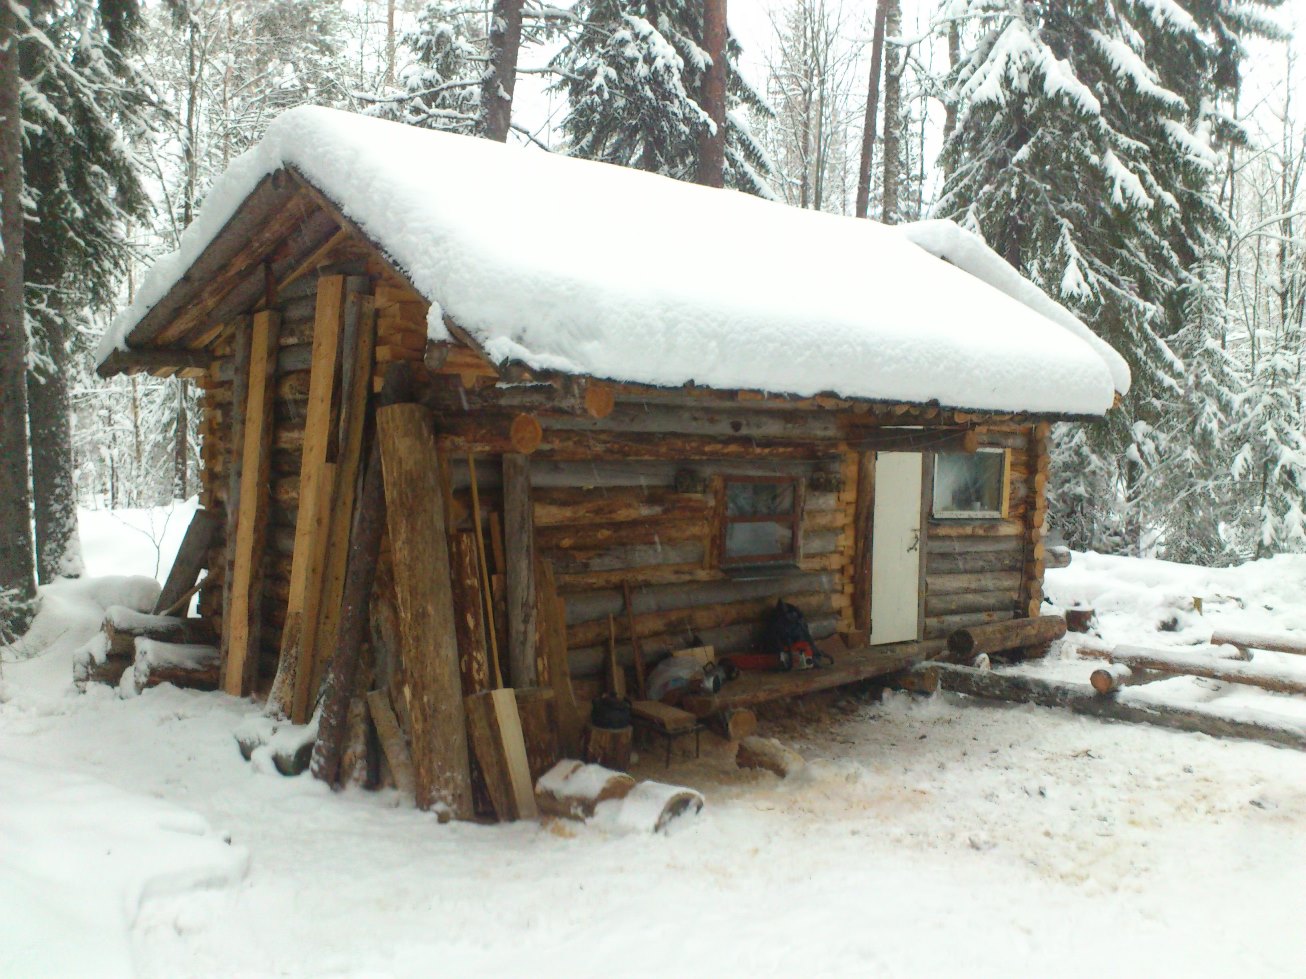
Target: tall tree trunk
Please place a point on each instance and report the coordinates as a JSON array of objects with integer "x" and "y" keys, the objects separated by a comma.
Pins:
[
  {"x": 501, "y": 75},
  {"x": 712, "y": 146},
  {"x": 17, "y": 549},
  {"x": 950, "y": 109},
  {"x": 54, "y": 495},
  {"x": 390, "y": 42},
  {"x": 863, "y": 206},
  {"x": 893, "y": 116}
]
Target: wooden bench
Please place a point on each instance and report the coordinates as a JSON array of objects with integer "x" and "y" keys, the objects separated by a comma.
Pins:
[{"x": 667, "y": 722}]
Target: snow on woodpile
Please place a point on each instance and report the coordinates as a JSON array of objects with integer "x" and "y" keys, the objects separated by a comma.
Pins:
[{"x": 586, "y": 268}]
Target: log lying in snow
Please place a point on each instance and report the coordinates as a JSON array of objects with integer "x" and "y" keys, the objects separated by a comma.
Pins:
[
  {"x": 123, "y": 626},
  {"x": 769, "y": 754},
  {"x": 1211, "y": 667},
  {"x": 1081, "y": 699},
  {"x": 572, "y": 789},
  {"x": 1110, "y": 678},
  {"x": 1274, "y": 642},
  {"x": 183, "y": 665},
  {"x": 650, "y": 807},
  {"x": 1057, "y": 557},
  {"x": 93, "y": 664},
  {"x": 997, "y": 637}
]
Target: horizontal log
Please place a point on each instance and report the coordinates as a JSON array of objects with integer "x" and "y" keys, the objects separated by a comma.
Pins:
[
  {"x": 1057, "y": 557},
  {"x": 973, "y": 563},
  {"x": 1276, "y": 642},
  {"x": 1081, "y": 699},
  {"x": 972, "y": 528},
  {"x": 567, "y": 507},
  {"x": 153, "y": 359},
  {"x": 1000, "y": 637},
  {"x": 1210, "y": 667},
  {"x": 620, "y": 558},
  {"x": 975, "y": 545},
  {"x": 979, "y": 601},
  {"x": 601, "y": 604},
  {"x": 943, "y": 626},
  {"x": 598, "y": 537},
  {"x": 953, "y": 584}
]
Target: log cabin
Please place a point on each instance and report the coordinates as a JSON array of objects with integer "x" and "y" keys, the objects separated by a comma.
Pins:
[{"x": 491, "y": 417}]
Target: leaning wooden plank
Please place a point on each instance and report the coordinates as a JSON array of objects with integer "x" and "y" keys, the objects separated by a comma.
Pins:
[
  {"x": 392, "y": 742},
  {"x": 496, "y": 734},
  {"x": 419, "y": 551},
  {"x": 1212, "y": 667},
  {"x": 1082, "y": 699},
  {"x": 242, "y": 339},
  {"x": 469, "y": 614},
  {"x": 554, "y": 634},
  {"x": 519, "y": 541},
  {"x": 360, "y": 576},
  {"x": 289, "y": 695},
  {"x": 999, "y": 637},
  {"x": 1280, "y": 642},
  {"x": 358, "y": 341},
  {"x": 192, "y": 558},
  {"x": 243, "y": 616}
]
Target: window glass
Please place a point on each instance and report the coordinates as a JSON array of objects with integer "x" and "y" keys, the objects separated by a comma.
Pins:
[
  {"x": 968, "y": 485},
  {"x": 761, "y": 520}
]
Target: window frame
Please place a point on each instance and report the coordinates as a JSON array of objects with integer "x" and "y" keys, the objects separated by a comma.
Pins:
[
  {"x": 1004, "y": 489},
  {"x": 794, "y": 519}
]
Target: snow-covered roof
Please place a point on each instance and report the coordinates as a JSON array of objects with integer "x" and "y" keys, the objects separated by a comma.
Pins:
[{"x": 591, "y": 269}]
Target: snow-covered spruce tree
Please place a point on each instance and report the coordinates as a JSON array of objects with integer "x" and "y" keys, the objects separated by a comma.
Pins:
[
  {"x": 441, "y": 86},
  {"x": 1083, "y": 153},
  {"x": 632, "y": 71},
  {"x": 81, "y": 92}
]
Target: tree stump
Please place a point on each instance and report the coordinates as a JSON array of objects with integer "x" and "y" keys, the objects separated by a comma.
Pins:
[{"x": 610, "y": 747}]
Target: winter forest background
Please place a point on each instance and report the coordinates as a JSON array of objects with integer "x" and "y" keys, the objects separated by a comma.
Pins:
[{"x": 1142, "y": 160}]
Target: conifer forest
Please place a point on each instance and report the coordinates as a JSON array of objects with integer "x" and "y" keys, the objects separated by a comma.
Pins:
[{"x": 1142, "y": 161}]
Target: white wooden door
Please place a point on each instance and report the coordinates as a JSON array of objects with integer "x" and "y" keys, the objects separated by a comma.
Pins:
[{"x": 896, "y": 547}]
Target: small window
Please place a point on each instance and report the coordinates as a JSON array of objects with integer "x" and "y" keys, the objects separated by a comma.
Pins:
[
  {"x": 761, "y": 520},
  {"x": 970, "y": 485}
]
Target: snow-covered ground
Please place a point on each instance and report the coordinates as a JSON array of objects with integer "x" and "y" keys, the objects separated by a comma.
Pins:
[{"x": 925, "y": 838}]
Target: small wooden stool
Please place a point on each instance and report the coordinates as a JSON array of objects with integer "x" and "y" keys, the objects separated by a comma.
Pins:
[{"x": 667, "y": 722}]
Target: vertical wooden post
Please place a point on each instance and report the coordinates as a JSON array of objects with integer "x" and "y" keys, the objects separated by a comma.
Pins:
[
  {"x": 241, "y": 339},
  {"x": 243, "y": 615},
  {"x": 290, "y": 692},
  {"x": 862, "y": 530},
  {"x": 519, "y": 543},
  {"x": 358, "y": 341},
  {"x": 469, "y": 615},
  {"x": 923, "y": 540},
  {"x": 419, "y": 551},
  {"x": 1036, "y": 512}
]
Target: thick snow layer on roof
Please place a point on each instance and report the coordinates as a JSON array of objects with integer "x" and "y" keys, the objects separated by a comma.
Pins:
[
  {"x": 592, "y": 269},
  {"x": 968, "y": 251}
]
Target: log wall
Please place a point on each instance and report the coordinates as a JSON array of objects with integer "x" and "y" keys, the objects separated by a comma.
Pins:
[{"x": 626, "y": 488}]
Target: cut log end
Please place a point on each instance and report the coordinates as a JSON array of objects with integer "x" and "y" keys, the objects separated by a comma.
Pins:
[{"x": 768, "y": 754}]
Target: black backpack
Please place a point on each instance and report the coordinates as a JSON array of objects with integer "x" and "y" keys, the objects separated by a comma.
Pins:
[{"x": 785, "y": 629}]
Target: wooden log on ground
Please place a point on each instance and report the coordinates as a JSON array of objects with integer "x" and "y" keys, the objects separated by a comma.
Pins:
[
  {"x": 1110, "y": 678},
  {"x": 733, "y": 724},
  {"x": 122, "y": 626},
  {"x": 1057, "y": 557},
  {"x": 609, "y": 747},
  {"x": 1001, "y": 637},
  {"x": 571, "y": 789},
  {"x": 352, "y": 624},
  {"x": 419, "y": 552},
  {"x": 1274, "y": 642},
  {"x": 1080, "y": 619},
  {"x": 193, "y": 667},
  {"x": 768, "y": 754},
  {"x": 192, "y": 558},
  {"x": 1082, "y": 699},
  {"x": 496, "y": 735},
  {"x": 652, "y": 807},
  {"x": 392, "y": 742},
  {"x": 1210, "y": 667}
]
